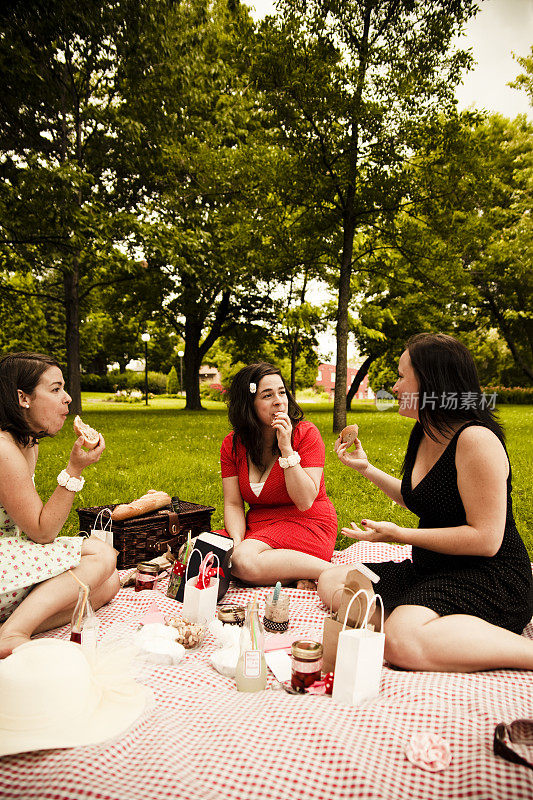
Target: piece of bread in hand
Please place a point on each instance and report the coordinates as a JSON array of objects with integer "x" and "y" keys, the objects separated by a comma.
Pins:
[
  {"x": 349, "y": 434},
  {"x": 151, "y": 501},
  {"x": 91, "y": 437}
]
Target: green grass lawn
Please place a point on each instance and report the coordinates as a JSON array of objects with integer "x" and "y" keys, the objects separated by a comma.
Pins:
[{"x": 164, "y": 447}]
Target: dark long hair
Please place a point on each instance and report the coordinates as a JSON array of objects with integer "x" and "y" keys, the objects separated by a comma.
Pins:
[
  {"x": 20, "y": 371},
  {"x": 449, "y": 389},
  {"x": 242, "y": 415}
]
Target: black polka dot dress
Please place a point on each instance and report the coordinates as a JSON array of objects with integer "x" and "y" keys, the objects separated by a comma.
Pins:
[{"x": 498, "y": 589}]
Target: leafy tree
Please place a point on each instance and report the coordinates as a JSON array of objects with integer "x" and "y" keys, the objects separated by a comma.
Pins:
[
  {"x": 200, "y": 149},
  {"x": 58, "y": 140},
  {"x": 23, "y": 317},
  {"x": 352, "y": 87},
  {"x": 173, "y": 384},
  {"x": 476, "y": 222}
]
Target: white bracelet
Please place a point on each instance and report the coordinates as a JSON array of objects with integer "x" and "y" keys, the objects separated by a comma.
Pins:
[
  {"x": 290, "y": 461},
  {"x": 69, "y": 483}
]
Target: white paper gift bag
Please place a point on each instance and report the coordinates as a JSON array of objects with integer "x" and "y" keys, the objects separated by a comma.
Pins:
[
  {"x": 359, "y": 661},
  {"x": 200, "y": 605},
  {"x": 102, "y": 527}
]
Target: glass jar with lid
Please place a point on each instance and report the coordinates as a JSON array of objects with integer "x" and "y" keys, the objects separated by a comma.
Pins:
[
  {"x": 306, "y": 663},
  {"x": 146, "y": 577}
]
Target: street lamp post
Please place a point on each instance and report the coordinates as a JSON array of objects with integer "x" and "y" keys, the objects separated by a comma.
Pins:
[
  {"x": 146, "y": 338},
  {"x": 181, "y": 354}
]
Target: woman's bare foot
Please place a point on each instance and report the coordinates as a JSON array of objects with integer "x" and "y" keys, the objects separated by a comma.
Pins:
[
  {"x": 306, "y": 584},
  {"x": 10, "y": 641}
]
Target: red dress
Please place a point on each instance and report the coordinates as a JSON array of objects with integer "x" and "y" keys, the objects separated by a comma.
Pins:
[{"x": 272, "y": 517}]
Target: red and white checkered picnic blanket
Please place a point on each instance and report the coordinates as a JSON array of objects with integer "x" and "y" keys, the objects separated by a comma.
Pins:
[{"x": 203, "y": 740}]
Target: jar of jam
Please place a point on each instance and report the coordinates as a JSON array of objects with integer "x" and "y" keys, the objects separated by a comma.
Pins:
[
  {"x": 232, "y": 615},
  {"x": 146, "y": 577},
  {"x": 306, "y": 663}
]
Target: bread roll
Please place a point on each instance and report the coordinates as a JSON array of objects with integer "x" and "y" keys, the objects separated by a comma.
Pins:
[
  {"x": 150, "y": 501},
  {"x": 91, "y": 437},
  {"x": 349, "y": 434}
]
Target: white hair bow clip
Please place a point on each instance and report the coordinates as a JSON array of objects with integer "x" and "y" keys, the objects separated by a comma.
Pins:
[{"x": 253, "y": 388}]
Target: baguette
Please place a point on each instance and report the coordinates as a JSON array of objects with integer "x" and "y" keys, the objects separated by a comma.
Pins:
[
  {"x": 150, "y": 501},
  {"x": 349, "y": 434}
]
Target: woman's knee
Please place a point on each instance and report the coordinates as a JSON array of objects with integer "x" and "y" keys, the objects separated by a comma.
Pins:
[
  {"x": 101, "y": 554},
  {"x": 329, "y": 582},
  {"x": 111, "y": 586},
  {"x": 244, "y": 564},
  {"x": 406, "y": 642}
]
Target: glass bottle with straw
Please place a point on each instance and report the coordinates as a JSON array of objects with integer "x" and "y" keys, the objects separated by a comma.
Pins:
[
  {"x": 177, "y": 572},
  {"x": 84, "y": 623},
  {"x": 251, "y": 672}
]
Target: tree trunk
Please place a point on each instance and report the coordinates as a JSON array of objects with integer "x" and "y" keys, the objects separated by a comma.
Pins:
[
  {"x": 294, "y": 348},
  {"x": 72, "y": 336},
  {"x": 341, "y": 370},
  {"x": 501, "y": 322},
  {"x": 192, "y": 358},
  {"x": 361, "y": 373}
]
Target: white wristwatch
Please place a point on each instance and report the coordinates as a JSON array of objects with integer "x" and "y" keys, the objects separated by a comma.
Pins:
[
  {"x": 290, "y": 461},
  {"x": 69, "y": 483}
]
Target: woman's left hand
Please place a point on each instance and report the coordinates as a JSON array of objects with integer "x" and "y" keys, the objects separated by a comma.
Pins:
[
  {"x": 374, "y": 531},
  {"x": 283, "y": 427}
]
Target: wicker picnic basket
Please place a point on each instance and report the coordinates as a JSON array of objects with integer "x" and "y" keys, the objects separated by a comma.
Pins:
[{"x": 141, "y": 538}]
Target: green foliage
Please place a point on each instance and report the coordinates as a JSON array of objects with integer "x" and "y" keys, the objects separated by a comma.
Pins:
[
  {"x": 60, "y": 218},
  {"x": 513, "y": 395},
  {"x": 383, "y": 373},
  {"x": 210, "y": 391},
  {"x": 173, "y": 384},
  {"x": 96, "y": 383},
  {"x": 157, "y": 381}
]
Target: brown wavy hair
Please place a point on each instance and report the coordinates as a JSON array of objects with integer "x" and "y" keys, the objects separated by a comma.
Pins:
[
  {"x": 242, "y": 415},
  {"x": 443, "y": 366},
  {"x": 20, "y": 371}
]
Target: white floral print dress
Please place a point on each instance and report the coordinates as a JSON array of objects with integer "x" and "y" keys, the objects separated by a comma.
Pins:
[{"x": 23, "y": 562}]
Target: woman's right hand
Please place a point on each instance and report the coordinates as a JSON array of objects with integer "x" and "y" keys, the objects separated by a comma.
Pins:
[
  {"x": 356, "y": 459},
  {"x": 80, "y": 458}
]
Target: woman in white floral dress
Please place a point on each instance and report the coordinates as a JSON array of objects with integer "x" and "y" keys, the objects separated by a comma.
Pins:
[{"x": 37, "y": 592}]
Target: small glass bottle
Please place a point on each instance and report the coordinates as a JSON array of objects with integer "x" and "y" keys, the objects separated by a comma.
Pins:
[
  {"x": 84, "y": 623},
  {"x": 175, "y": 503},
  {"x": 251, "y": 672},
  {"x": 306, "y": 664},
  {"x": 177, "y": 574}
]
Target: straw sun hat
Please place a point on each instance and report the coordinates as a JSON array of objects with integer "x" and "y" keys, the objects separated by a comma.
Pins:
[{"x": 52, "y": 695}]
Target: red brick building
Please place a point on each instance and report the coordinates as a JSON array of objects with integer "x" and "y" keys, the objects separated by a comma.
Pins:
[{"x": 326, "y": 381}]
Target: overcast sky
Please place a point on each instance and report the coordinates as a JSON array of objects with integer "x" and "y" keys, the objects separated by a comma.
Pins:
[{"x": 500, "y": 28}]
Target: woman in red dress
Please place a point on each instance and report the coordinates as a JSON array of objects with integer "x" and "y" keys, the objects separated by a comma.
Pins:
[{"x": 274, "y": 461}]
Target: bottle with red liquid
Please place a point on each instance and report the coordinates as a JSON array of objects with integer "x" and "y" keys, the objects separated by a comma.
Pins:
[{"x": 84, "y": 623}]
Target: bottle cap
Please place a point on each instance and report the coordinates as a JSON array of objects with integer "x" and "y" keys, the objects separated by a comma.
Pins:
[
  {"x": 148, "y": 569},
  {"x": 306, "y": 650}
]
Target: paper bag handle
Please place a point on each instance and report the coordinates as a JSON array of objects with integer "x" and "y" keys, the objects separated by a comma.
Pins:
[
  {"x": 197, "y": 550},
  {"x": 194, "y": 550},
  {"x": 361, "y": 591},
  {"x": 372, "y": 601},
  {"x": 105, "y": 526},
  {"x": 340, "y": 589}
]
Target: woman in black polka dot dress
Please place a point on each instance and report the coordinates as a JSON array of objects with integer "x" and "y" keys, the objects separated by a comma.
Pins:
[{"x": 461, "y": 602}]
